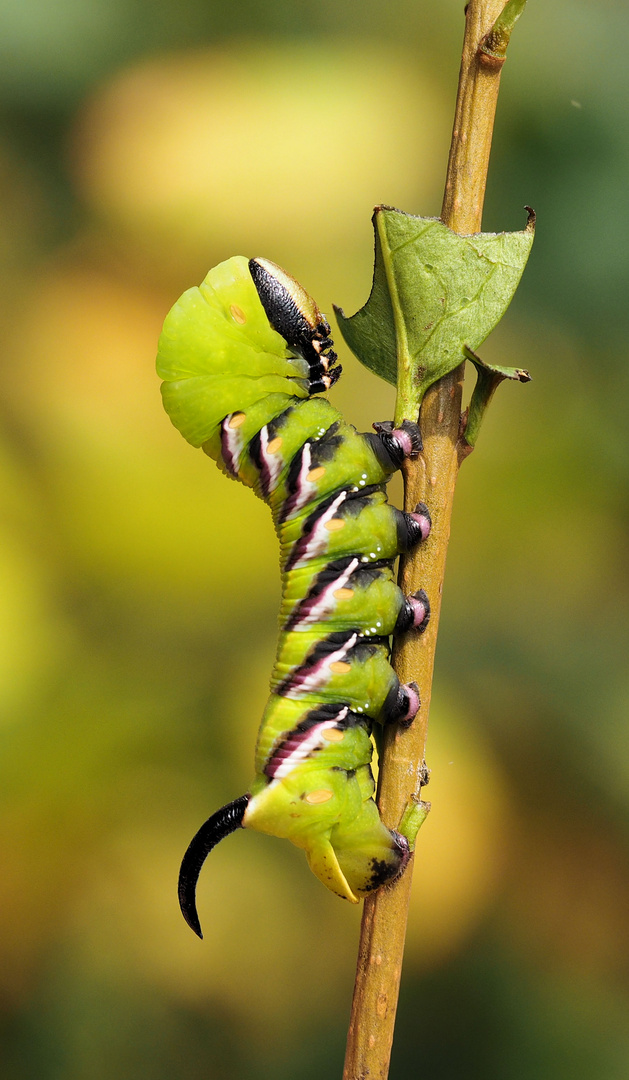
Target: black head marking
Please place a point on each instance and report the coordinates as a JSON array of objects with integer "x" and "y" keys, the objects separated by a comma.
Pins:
[
  {"x": 284, "y": 309},
  {"x": 294, "y": 314}
]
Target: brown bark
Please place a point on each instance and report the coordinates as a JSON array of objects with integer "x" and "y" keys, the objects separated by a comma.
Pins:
[{"x": 430, "y": 479}]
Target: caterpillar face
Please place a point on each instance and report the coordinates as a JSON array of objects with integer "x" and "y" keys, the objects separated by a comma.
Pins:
[
  {"x": 294, "y": 314},
  {"x": 241, "y": 358}
]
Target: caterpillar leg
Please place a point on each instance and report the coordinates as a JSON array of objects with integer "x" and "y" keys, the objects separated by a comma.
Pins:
[
  {"x": 368, "y": 853},
  {"x": 413, "y": 528},
  {"x": 401, "y": 705},
  {"x": 400, "y": 443},
  {"x": 414, "y": 613}
]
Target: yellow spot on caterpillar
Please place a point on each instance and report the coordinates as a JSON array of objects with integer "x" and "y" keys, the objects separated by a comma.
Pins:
[
  {"x": 237, "y": 420},
  {"x": 238, "y": 314},
  {"x": 274, "y": 445},
  {"x": 315, "y": 474},
  {"x": 343, "y": 594},
  {"x": 339, "y": 667},
  {"x": 320, "y": 796},
  {"x": 333, "y": 735},
  {"x": 334, "y": 524}
]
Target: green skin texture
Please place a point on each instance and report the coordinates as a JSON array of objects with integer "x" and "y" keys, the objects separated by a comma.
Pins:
[{"x": 218, "y": 355}]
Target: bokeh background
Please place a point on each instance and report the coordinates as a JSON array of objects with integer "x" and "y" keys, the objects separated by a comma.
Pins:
[{"x": 142, "y": 142}]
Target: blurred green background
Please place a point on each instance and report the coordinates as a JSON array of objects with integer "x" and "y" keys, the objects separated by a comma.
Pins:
[{"x": 142, "y": 142}]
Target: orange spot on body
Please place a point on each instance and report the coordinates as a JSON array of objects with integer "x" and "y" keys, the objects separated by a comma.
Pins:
[
  {"x": 315, "y": 474},
  {"x": 333, "y": 735},
  {"x": 320, "y": 796},
  {"x": 274, "y": 445},
  {"x": 237, "y": 420},
  {"x": 343, "y": 594},
  {"x": 238, "y": 314},
  {"x": 334, "y": 524},
  {"x": 339, "y": 667}
]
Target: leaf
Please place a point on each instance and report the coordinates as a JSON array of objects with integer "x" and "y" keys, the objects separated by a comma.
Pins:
[
  {"x": 434, "y": 293},
  {"x": 495, "y": 43},
  {"x": 488, "y": 379},
  {"x": 494, "y": 371}
]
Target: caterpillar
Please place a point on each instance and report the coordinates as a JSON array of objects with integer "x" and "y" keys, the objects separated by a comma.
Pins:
[{"x": 242, "y": 358}]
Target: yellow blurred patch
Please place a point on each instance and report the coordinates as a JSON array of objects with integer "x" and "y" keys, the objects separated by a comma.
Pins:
[
  {"x": 132, "y": 500},
  {"x": 33, "y": 633},
  {"x": 461, "y": 847},
  {"x": 254, "y": 920},
  {"x": 245, "y": 148}
]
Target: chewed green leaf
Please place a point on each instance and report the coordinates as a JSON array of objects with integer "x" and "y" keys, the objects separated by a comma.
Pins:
[
  {"x": 494, "y": 370},
  {"x": 488, "y": 379},
  {"x": 434, "y": 293}
]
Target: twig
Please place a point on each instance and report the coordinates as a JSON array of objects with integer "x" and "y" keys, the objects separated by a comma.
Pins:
[{"x": 430, "y": 479}]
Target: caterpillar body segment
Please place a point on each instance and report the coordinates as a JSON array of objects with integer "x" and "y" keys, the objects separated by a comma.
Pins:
[
  {"x": 330, "y": 813},
  {"x": 241, "y": 357}
]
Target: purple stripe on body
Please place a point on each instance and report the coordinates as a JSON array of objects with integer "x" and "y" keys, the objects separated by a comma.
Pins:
[
  {"x": 314, "y": 543},
  {"x": 231, "y": 445},
  {"x": 298, "y": 747},
  {"x": 311, "y": 677},
  {"x": 315, "y": 608},
  {"x": 271, "y": 464},
  {"x": 304, "y": 488}
]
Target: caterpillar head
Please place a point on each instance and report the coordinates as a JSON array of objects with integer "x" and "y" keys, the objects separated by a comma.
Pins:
[{"x": 248, "y": 339}]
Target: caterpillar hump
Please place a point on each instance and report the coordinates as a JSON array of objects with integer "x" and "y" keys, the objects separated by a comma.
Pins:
[{"x": 218, "y": 355}]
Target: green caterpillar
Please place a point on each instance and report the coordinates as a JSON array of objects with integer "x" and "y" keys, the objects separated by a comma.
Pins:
[{"x": 241, "y": 357}]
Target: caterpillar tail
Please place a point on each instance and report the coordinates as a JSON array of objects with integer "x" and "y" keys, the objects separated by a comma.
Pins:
[
  {"x": 216, "y": 828},
  {"x": 333, "y": 867}
]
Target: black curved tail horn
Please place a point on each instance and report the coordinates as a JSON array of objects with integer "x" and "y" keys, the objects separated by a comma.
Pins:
[{"x": 217, "y": 827}]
